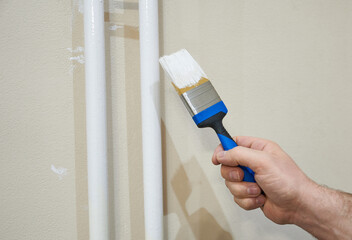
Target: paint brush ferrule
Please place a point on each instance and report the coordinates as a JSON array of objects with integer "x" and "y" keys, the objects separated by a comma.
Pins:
[{"x": 199, "y": 98}]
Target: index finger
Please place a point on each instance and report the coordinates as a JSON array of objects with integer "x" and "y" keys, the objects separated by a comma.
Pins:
[
  {"x": 243, "y": 156},
  {"x": 255, "y": 143}
]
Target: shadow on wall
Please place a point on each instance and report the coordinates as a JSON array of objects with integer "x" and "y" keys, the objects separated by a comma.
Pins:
[
  {"x": 121, "y": 22},
  {"x": 202, "y": 223}
]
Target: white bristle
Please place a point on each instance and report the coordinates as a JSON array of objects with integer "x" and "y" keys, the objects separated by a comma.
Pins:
[{"x": 182, "y": 68}]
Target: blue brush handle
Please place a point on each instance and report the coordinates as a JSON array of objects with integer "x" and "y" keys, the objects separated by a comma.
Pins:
[
  {"x": 227, "y": 144},
  {"x": 212, "y": 117}
]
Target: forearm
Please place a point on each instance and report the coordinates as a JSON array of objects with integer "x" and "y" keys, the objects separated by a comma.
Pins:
[{"x": 325, "y": 213}]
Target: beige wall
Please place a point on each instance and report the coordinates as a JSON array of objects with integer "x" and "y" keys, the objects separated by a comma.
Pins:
[
  {"x": 283, "y": 69},
  {"x": 36, "y": 121}
]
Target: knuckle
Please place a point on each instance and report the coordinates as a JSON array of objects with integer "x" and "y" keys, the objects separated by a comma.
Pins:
[
  {"x": 265, "y": 159},
  {"x": 246, "y": 204},
  {"x": 223, "y": 171},
  {"x": 234, "y": 189},
  {"x": 273, "y": 146},
  {"x": 233, "y": 174},
  {"x": 235, "y": 152}
]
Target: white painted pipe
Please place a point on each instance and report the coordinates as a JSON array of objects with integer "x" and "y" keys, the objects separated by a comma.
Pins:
[
  {"x": 96, "y": 119},
  {"x": 150, "y": 88}
]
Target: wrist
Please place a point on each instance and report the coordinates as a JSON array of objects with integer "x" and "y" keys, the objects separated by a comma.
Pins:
[
  {"x": 310, "y": 213},
  {"x": 321, "y": 211},
  {"x": 309, "y": 204}
]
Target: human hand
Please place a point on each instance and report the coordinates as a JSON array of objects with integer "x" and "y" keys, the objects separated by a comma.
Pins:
[{"x": 282, "y": 181}]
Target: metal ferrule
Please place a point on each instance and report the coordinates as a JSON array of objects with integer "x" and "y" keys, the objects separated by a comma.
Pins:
[{"x": 200, "y": 98}]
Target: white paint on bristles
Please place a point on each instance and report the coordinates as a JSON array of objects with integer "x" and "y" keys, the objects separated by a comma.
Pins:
[{"x": 183, "y": 70}]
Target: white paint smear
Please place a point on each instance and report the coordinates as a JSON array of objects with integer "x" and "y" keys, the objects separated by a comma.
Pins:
[
  {"x": 79, "y": 51},
  {"x": 79, "y": 59},
  {"x": 60, "y": 171},
  {"x": 114, "y": 27},
  {"x": 76, "y": 50}
]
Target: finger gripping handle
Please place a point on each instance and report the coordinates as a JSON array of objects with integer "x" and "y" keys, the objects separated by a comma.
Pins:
[{"x": 227, "y": 144}]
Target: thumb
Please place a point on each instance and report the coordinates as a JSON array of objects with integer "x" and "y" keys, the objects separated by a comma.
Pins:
[{"x": 243, "y": 156}]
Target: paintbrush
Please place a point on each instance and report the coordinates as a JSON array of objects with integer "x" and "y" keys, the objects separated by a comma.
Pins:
[{"x": 200, "y": 98}]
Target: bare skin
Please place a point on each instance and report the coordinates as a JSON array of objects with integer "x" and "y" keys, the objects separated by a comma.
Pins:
[{"x": 290, "y": 196}]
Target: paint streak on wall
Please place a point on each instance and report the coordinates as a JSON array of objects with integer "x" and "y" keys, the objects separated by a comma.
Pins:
[{"x": 60, "y": 171}]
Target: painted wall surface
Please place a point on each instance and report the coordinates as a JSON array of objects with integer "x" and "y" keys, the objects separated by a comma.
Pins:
[
  {"x": 283, "y": 69},
  {"x": 37, "y": 147}
]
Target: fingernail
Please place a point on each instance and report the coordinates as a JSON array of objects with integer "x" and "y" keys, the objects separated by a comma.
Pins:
[
  {"x": 234, "y": 176},
  {"x": 221, "y": 155},
  {"x": 252, "y": 190},
  {"x": 260, "y": 201}
]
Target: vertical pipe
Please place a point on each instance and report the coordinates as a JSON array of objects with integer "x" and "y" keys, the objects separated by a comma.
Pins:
[
  {"x": 96, "y": 119},
  {"x": 150, "y": 87}
]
